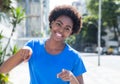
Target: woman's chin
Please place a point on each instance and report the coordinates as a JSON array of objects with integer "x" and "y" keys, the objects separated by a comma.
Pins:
[{"x": 58, "y": 39}]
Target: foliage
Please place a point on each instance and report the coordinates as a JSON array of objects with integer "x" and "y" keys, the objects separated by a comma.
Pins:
[
  {"x": 110, "y": 13},
  {"x": 92, "y": 6},
  {"x": 90, "y": 30},
  {"x": 5, "y": 5},
  {"x": 70, "y": 40},
  {"x": 4, "y": 78},
  {"x": 89, "y": 33},
  {"x": 1, "y": 36},
  {"x": 17, "y": 16},
  {"x": 1, "y": 48},
  {"x": 14, "y": 49}
]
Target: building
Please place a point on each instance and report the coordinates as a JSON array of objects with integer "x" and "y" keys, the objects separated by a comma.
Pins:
[
  {"x": 36, "y": 23},
  {"x": 81, "y": 6}
]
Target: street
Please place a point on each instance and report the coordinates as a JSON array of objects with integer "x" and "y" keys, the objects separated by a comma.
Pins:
[{"x": 106, "y": 73}]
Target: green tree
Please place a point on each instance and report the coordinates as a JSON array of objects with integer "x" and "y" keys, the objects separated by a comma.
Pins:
[
  {"x": 5, "y": 5},
  {"x": 110, "y": 13},
  {"x": 17, "y": 15},
  {"x": 90, "y": 29},
  {"x": 89, "y": 34}
]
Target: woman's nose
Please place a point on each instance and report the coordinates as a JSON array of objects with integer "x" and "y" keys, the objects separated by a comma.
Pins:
[{"x": 61, "y": 29}]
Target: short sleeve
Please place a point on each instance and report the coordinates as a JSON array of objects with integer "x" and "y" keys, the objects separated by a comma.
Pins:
[
  {"x": 79, "y": 67},
  {"x": 30, "y": 44}
]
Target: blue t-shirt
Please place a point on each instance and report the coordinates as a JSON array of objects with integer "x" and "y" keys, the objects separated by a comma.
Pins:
[{"x": 44, "y": 67}]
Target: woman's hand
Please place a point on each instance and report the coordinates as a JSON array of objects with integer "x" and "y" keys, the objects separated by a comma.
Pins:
[
  {"x": 26, "y": 53},
  {"x": 65, "y": 75}
]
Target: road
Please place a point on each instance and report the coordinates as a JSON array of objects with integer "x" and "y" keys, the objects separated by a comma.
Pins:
[{"x": 106, "y": 73}]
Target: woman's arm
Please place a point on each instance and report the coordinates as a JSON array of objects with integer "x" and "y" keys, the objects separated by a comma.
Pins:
[
  {"x": 77, "y": 80},
  {"x": 22, "y": 55}
]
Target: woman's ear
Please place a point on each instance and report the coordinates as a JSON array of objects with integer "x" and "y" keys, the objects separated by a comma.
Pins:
[{"x": 51, "y": 24}]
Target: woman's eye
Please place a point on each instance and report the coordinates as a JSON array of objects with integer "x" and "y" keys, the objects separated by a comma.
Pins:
[
  {"x": 67, "y": 29},
  {"x": 58, "y": 24}
]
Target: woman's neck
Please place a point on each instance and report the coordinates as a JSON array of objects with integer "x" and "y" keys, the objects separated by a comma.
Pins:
[{"x": 54, "y": 47}]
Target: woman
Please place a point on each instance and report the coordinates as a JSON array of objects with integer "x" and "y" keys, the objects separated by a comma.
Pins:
[{"x": 52, "y": 61}]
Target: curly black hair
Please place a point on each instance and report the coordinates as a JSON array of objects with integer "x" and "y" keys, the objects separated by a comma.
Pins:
[{"x": 69, "y": 11}]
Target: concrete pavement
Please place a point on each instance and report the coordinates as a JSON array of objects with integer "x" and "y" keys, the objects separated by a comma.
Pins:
[{"x": 107, "y": 73}]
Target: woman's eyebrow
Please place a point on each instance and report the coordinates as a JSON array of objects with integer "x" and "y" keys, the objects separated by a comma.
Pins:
[{"x": 62, "y": 23}]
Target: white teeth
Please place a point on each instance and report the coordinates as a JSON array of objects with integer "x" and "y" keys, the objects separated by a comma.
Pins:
[{"x": 58, "y": 34}]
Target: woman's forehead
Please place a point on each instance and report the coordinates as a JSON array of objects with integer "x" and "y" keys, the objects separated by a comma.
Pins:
[{"x": 65, "y": 20}]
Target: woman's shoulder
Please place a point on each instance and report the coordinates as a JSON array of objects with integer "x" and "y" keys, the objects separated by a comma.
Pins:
[
  {"x": 73, "y": 52},
  {"x": 34, "y": 41}
]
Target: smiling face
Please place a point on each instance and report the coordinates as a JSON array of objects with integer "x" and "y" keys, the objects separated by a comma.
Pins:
[{"x": 61, "y": 28}]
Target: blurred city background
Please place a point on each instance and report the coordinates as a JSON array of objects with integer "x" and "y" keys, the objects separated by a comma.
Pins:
[
  {"x": 22, "y": 20},
  {"x": 36, "y": 25}
]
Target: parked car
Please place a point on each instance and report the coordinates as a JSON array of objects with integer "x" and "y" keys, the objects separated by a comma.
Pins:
[
  {"x": 113, "y": 50},
  {"x": 88, "y": 50}
]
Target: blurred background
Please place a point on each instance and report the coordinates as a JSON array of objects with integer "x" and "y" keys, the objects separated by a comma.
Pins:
[
  {"x": 36, "y": 25},
  {"x": 23, "y": 20}
]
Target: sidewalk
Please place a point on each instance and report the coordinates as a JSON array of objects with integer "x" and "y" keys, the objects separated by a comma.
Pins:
[
  {"x": 20, "y": 74},
  {"x": 107, "y": 73}
]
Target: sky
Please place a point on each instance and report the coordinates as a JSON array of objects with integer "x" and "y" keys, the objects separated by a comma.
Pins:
[{"x": 54, "y": 3}]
